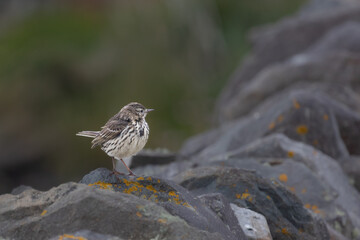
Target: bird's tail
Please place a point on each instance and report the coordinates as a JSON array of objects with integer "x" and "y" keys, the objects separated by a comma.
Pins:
[{"x": 90, "y": 134}]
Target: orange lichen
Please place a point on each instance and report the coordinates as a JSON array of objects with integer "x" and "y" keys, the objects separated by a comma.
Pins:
[
  {"x": 172, "y": 193},
  {"x": 308, "y": 206},
  {"x": 292, "y": 189},
  {"x": 132, "y": 189},
  {"x": 326, "y": 117},
  {"x": 102, "y": 185},
  {"x": 138, "y": 214},
  {"x": 245, "y": 195},
  {"x": 140, "y": 178},
  {"x": 158, "y": 180},
  {"x": 238, "y": 196},
  {"x": 296, "y": 104},
  {"x": 283, "y": 177},
  {"x": 271, "y": 125},
  {"x": 149, "y": 179},
  {"x": 302, "y": 129},
  {"x": 303, "y": 190},
  {"x": 268, "y": 197},
  {"x": 43, "y": 212},
  {"x": 314, "y": 153},
  {"x": 280, "y": 118},
  {"x": 315, "y": 142},
  {"x": 290, "y": 154},
  {"x": 285, "y": 231},
  {"x": 162, "y": 220},
  {"x": 151, "y": 188},
  {"x": 68, "y": 236}
]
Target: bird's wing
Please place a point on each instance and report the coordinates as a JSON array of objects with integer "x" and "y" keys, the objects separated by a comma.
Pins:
[{"x": 110, "y": 130}]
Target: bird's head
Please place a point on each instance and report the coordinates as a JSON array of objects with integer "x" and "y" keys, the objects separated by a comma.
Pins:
[{"x": 136, "y": 110}]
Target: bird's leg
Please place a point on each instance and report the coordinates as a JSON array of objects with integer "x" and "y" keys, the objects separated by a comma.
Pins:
[
  {"x": 114, "y": 167},
  {"x": 130, "y": 172}
]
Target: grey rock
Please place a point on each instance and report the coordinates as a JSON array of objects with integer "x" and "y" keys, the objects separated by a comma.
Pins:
[
  {"x": 154, "y": 157},
  {"x": 316, "y": 6},
  {"x": 271, "y": 46},
  {"x": 306, "y": 172},
  {"x": 253, "y": 224},
  {"x": 221, "y": 207},
  {"x": 285, "y": 214},
  {"x": 336, "y": 68},
  {"x": 72, "y": 207},
  {"x": 299, "y": 115},
  {"x": 174, "y": 198},
  {"x": 86, "y": 234},
  {"x": 344, "y": 37}
]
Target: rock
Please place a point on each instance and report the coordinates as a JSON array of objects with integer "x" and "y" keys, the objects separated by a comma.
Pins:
[
  {"x": 285, "y": 214},
  {"x": 154, "y": 157},
  {"x": 306, "y": 172},
  {"x": 271, "y": 46},
  {"x": 338, "y": 69},
  {"x": 74, "y": 208},
  {"x": 85, "y": 234},
  {"x": 253, "y": 224},
  {"x": 299, "y": 115},
  {"x": 344, "y": 37},
  {"x": 221, "y": 207},
  {"x": 318, "y": 6},
  {"x": 352, "y": 169},
  {"x": 174, "y": 198}
]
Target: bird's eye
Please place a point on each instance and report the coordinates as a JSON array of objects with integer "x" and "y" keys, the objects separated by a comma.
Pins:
[{"x": 141, "y": 110}]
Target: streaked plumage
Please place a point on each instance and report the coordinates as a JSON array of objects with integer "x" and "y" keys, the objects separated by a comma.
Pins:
[{"x": 124, "y": 135}]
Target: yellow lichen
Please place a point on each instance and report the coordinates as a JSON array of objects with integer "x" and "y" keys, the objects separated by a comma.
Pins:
[
  {"x": 138, "y": 214},
  {"x": 245, "y": 195},
  {"x": 283, "y": 177},
  {"x": 326, "y": 117},
  {"x": 285, "y": 231},
  {"x": 68, "y": 236},
  {"x": 43, "y": 212},
  {"x": 131, "y": 189},
  {"x": 280, "y": 118},
  {"x": 149, "y": 179},
  {"x": 292, "y": 189},
  {"x": 238, "y": 196},
  {"x": 140, "y": 178},
  {"x": 102, "y": 185},
  {"x": 296, "y": 104},
  {"x": 290, "y": 154},
  {"x": 151, "y": 188},
  {"x": 303, "y": 190},
  {"x": 172, "y": 193},
  {"x": 162, "y": 220},
  {"x": 268, "y": 197},
  {"x": 302, "y": 129},
  {"x": 271, "y": 125}
]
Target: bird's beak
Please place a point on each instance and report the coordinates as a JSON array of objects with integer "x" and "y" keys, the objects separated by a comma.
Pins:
[{"x": 149, "y": 110}]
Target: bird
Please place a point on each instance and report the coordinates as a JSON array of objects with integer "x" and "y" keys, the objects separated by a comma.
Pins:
[{"x": 123, "y": 135}]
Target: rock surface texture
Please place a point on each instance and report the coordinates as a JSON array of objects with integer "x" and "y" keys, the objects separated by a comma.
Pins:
[{"x": 283, "y": 163}]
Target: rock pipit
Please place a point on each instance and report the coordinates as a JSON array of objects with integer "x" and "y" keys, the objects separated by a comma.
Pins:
[{"x": 124, "y": 135}]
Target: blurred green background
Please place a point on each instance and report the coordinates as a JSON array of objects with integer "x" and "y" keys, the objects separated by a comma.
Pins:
[{"x": 67, "y": 66}]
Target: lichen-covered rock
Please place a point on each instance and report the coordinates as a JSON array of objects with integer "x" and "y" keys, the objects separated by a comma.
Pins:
[
  {"x": 73, "y": 208},
  {"x": 174, "y": 198},
  {"x": 300, "y": 72},
  {"x": 306, "y": 172},
  {"x": 300, "y": 115},
  {"x": 285, "y": 214},
  {"x": 271, "y": 46}
]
